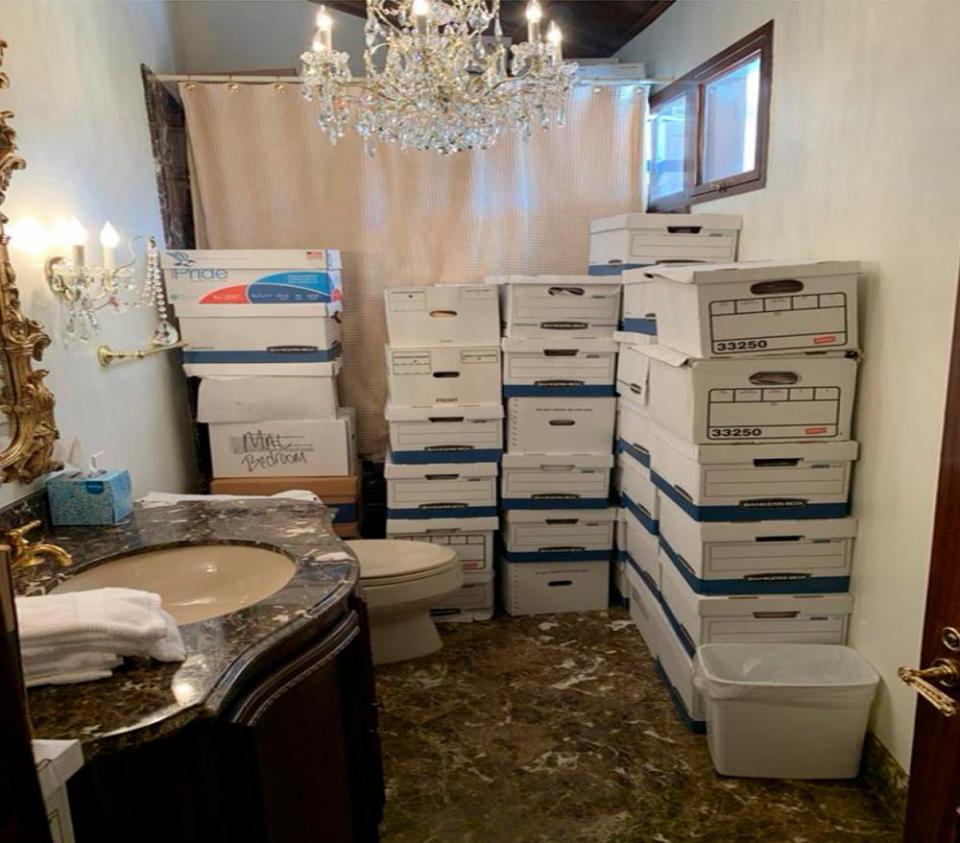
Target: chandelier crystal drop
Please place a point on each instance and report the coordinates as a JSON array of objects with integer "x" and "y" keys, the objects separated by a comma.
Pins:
[{"x": 439, "y": 76}]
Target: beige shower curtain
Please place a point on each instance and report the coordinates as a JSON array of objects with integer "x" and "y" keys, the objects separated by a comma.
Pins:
[{"x": 265, "y": 176}]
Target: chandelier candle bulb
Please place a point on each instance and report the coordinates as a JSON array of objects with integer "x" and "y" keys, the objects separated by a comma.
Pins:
[
  {"x": 534, "y": 16},
  {"x": 109, "y": 240},
  {"x": 555, "y": 40},
  {"x": 323, "y": 42}
]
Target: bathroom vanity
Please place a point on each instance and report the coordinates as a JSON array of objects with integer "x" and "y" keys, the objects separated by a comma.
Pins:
[{"x": 268, "y": 730}]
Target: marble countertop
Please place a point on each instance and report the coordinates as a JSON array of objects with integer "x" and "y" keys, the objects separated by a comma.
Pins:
[{"x": 144, "y": 699}]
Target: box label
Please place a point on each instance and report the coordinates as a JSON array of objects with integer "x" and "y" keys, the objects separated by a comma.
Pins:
[
  {"x": 773, "y": 413},
  {"x": 260, "y": 451}
]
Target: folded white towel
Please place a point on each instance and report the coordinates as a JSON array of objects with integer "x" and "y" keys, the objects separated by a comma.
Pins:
[
  {"x": 80, "y": 661},
  {"x": 102, "y": 614},
  {"x": 67, "y": 678},
  {"x": 168, "y": 498}
]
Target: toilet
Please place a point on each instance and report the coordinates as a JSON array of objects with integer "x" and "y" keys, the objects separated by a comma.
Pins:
[{"x": 401, "y": 580}]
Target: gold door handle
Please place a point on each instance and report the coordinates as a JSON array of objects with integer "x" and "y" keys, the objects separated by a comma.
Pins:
[{"x": 946, "y": 672}]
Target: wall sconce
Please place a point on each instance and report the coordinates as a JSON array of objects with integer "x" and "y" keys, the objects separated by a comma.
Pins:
[{"x": 87, "y": 289}]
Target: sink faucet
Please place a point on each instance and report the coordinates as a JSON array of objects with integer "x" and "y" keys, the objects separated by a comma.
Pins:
[{"x": 26, "y": 555}]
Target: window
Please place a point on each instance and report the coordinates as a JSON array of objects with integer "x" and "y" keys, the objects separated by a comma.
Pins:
[{"x": 707, "y": 131}]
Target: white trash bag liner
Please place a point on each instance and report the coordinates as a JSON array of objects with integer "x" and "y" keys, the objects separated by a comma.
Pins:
[{"x": 798, "y": 675}]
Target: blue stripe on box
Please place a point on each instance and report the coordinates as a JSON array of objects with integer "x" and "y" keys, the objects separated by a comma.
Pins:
[
  {"x": 418, "y": 513},
  {"x": 682, "y": 635},
  {"x": 784, "y": 509},
  {"x": 787, "y": 584},
  {"x": 613, "y": 268},
  {"x": 554, "y": 503},
  {"x": 696, "y": 726},
  {"x": 641, "y": 514},
  {"x": 557, "y": 556},
  {"x": 640, "y": 325},
  {"x": 642, "y": 457},
  {"x": 590, "y": 390},
  {"x": 454, "y": 455},
  {"x": 319, "y": 355},
  {"x": 344, "y": 512},
  {"x": 647, "y": 580}
]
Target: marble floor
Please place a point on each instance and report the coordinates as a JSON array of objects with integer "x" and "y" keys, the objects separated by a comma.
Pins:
[{"x": 555, "y": 728}]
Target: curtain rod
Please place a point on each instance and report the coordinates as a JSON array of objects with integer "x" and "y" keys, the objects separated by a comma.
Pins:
[{"x": 245, "y": 79}]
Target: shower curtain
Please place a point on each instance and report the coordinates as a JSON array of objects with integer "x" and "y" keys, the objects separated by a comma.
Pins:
[{"x": 265, "y": 177}]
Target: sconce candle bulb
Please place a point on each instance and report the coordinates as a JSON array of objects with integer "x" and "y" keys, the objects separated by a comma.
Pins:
[
  {"x": 109, "y": 240},
  {"x": 534, "y": 16},
  {"x": 324, "y": 31}
]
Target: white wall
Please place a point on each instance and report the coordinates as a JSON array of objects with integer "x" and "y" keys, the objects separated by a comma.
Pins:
[
  {"x": 863, "y": 165},
  {"x": 81, "y": 125},
  {"x": 220, "y": 36}
]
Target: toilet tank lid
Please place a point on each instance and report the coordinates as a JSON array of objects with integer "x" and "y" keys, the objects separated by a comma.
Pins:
[{"x": 383, "y": 558}]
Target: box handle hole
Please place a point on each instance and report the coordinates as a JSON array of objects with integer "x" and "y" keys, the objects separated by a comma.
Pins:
[
  {"x": 770, "y": 288},
  {"x": 774, "y": 378}
]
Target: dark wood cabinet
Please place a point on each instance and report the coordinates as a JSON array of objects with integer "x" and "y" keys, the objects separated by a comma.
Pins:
[{"x": 293, "y": 756}]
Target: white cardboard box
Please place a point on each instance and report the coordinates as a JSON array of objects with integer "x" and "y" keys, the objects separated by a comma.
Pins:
[
  {"x": 304, "y": 448},
  {"x": 560, "y": 425},
  {"x": 640, "y": 548},
  {"x": 443, "y": 314},
  {"x": 443, "y": 490},
  {"x": 266, "y": 399},
  {"x": 620, "y": 583},
  {"x": 552, "y": 305},
  {"x": 748, "y": 308},
  {"x": 252, "y": 276},
  {"x": 633, "y": 368},
  {"x": 639, "y": 314},
  {"x": 752, "y": 618},
  {"x": 259, "y": 333},
  {"x": 560, "y": 535},
  {"x": 474, "y": 546},
  {"x": 471, "y": 602},
  {"x": 676, "y": 668},
  {"x": 743, "y": 482},
  {"x": 424, "y": 377},
  {"x": 536, "y": 588},
  {"x": 801, "y": 398},
  {"x": 555, "y": 481},
  {"x": 638, "y": 495},
  {"x": 634, "y": 431},
  {"x": 635, "y": 240},
  {"x": 758, "y": 557},
  {"x": 643, "y": 604},
  {"x": 574, "y": 367},
  {"x": 273, "y": 370},
  {"x": 457, "y": 433}
]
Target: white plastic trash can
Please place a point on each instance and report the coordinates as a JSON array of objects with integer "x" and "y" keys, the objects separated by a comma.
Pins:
[{"x": 785, "y": 711}]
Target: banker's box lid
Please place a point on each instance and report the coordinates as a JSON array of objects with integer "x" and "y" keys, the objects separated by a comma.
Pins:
[
  {"x": 393, "y": 471},
  {"x": 571, "y": 516},
  {"x": 467, "y": 412},
  {"x": 730, "y": 222},
  {"x": 541, "y": 346},
  {"x": 727, "y": 273},
  {"x": 426, "y": 526},
  {"x": 739, "y": 453},
  {"x": 295, "y": 310},
  {"x": 675, "y": 358},
  {"x": 252, "y": 258},
  {"x": 808, "y": 529},
  {"x": 775, "y": 604},
  {"x": 552, "y": 280},
  {"x": 562, "y": 460}
]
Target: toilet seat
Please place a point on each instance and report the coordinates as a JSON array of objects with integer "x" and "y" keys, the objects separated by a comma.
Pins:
[{"x": 392, "y": 562}]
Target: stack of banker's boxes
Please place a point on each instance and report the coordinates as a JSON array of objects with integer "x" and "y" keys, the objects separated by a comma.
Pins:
[
  {"x": 445, "y": 424},
  {"x": 262, "y": 329},
  {"x": 559, "y": 366},
  {"x": 748, "y": 425}
]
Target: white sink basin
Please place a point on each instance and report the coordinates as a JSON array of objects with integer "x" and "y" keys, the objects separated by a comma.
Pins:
[{"x": 196, "y": 582}]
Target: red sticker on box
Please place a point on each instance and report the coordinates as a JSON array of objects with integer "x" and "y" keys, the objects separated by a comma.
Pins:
[{"x": 825, "y": 339}]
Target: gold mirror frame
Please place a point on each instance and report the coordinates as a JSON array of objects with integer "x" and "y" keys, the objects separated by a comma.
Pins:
[{"x": 26, "y": 402}]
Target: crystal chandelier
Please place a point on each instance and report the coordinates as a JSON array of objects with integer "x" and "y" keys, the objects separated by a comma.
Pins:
[{"x": 436, "y": 79}]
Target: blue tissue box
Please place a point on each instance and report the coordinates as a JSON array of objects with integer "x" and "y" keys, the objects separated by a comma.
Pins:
[{"x": 101, "y": 499}]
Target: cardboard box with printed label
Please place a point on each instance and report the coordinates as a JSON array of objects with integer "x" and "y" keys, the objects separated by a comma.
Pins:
[
  {"x": 456, "y": 433},
  {"x": 750, "y": 308},
  {"x": 634, "y": 431},
  {"x": 444, "y": 314},
  {"x": 758, "y": 557},
  {"x": 303, "y": 448},
  {"x": 259, "y": 333},
  {"x": 742, "y": 482},
  {"x": 535, "y": 588},
  {"x": 640, "y": 548},
  {"x": 474, "y": 546},
  {"x": 252, "y": 276},
  {"x": 424, "y": 377},
  {"x": 560, "y": 425},
  {"x": 558, "y": 305},
  {"x": 752, "y": 618},
  {"x": 558, "y": 535},
  {"x": 473, "y": 601},
  {"x": 636, "y": 240},
  {"x": 801, "y": 398},
  {"x": 444, "y": 490},
  {"x": 639, "y": 314},
  {"x": 266, "y": 399},
  {"x": 555, "y": 481},
  {"x": 638, "y": 495},
  {"x": 572, "y": 367},
  {"x": 633, "y": 368}
]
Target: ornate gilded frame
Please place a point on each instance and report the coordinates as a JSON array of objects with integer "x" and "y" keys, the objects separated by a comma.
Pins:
[{"x": 26, "y": 402}]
